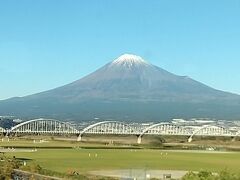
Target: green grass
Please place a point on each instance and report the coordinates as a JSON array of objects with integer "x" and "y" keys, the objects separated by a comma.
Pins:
[
  {"x": 25, "y": 143},
  {"x": 64, "y": 160},
  {"x": 52, "y": 156}
]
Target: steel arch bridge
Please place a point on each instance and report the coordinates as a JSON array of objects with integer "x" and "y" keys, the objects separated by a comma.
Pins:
[
  {"x": 109, "y": 127},
  {"x": 52, "y": 126},
  {"x": 41, "y": 126},
  {"x": 212, "y": 130},
  {"x": 164, "y": 129}
]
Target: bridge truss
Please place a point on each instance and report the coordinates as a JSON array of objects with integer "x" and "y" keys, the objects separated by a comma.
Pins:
[
  {"x": 44, "y": 126},
  {"x": 109, "y": 127},
  {"x": 164, "y": 129},
  {"x": 212, "y": 130},
  {"x": 2, "y": 130},
  {"x": 51, "y": 126}
]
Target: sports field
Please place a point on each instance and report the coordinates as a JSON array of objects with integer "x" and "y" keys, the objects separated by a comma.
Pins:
[
  {"x": 84, "y": 160},
  {"x": 68, "y": 156}
]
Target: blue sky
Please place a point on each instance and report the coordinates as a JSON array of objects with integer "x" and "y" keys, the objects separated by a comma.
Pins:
[{"x": 48, "y": 43}]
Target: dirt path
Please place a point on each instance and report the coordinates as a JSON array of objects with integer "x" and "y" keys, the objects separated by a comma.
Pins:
[
  {"x": 5, "y": 150},
  {"x": 140, "y": 174}
]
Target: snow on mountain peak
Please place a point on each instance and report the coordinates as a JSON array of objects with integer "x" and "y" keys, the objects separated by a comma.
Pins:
[{"x": 129, "y": 60}]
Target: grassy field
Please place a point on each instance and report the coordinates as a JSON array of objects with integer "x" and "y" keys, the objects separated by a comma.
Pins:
[
  {"x": 66, "y": 156},
  {"x": 84, "y": 160}
]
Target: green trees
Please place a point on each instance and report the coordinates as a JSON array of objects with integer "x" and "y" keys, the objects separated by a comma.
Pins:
[
  {"x": 202, "y": 175},
  {"x": 6, "y": 168},
  {"x": 206, "y": 175}
]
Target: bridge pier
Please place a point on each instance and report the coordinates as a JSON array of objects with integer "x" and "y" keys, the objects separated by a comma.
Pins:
[
  {"x": 139, "y": 139},
  {"x": 234, "y": 138},
  {"x": 7, "y": 133},
  {"x": 79, "y": 138},
  {"x": 190, "y": 139}
]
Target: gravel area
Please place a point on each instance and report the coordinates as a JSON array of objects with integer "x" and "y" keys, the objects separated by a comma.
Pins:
[{"x": 140, "y": 173}]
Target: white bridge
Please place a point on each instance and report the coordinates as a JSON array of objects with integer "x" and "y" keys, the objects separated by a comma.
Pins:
[{"x": 52, "y": 126}]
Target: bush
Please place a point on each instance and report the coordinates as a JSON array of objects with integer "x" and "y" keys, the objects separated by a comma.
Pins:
[
  {"x": 6, "y": 168},
  {"x": 206, "y": 175},
  {"x": 32, "y": 167}
]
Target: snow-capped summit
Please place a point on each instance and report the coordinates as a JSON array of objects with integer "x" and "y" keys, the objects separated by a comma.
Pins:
[
  {"x": 129, "y": 60},
  {"x": 127, "y": 88}
]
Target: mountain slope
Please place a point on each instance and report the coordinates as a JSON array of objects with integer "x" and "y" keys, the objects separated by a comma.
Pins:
[{"x": 128, "y": 88}]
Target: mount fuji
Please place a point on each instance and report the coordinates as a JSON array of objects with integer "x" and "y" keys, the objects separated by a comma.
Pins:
[{"x": 128, "y": 89}]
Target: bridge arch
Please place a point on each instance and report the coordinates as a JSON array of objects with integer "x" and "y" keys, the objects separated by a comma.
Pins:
[
  {"x": 163, "y": 128},
  {"x": 108, "y": 127},
  {"x": 2, "y": 130},
  {"x": 44, "y": 126},
  {"x": 210, "y": 130}
]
